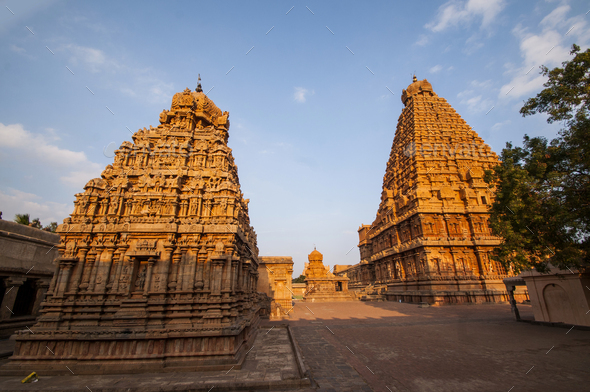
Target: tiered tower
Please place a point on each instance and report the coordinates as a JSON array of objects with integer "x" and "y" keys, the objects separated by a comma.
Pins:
[
  {"x": 430, "y": 241},
  {"x": 158, "y": 262},
  {"x": 320, "y": 284}
]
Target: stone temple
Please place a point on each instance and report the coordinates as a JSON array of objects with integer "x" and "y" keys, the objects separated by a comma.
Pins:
[
  {"x": 157, "y": 266},
  {"x": 430, "y": 241},
  {"x": 320, "y": 284}
]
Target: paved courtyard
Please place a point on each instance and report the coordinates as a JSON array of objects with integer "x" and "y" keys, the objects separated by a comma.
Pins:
[
  {"x": 390, "y": 346},
  {"x": 384, "y": 346}
]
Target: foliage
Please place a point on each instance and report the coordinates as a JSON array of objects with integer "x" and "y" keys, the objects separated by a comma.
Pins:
[
  {"x": 52, "y": 227},
  {"x": 25, "y": 219},
  {"x": 300, "y": 279},
  {"x": 542, "y": 204}
]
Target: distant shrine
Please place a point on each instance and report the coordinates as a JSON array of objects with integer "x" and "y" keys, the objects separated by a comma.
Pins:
[
  {"x": 157, "y": 265},
  {"x": 320, "y": 284},
  {"x": 430, "y": 241}
]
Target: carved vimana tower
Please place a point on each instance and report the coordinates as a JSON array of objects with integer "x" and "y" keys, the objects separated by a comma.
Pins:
[
  {"x": 158, "y": 262},
  {"x": 430, "y": 241}
]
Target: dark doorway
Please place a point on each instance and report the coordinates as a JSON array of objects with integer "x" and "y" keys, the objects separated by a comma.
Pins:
[{"x": 25, "y": 299}]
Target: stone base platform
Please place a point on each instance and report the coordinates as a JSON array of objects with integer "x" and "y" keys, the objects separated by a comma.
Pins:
[
  {"x": 273, "y": 363},
  {"x": 328, "y": 297},
  {"x": 452, "y": 297}
]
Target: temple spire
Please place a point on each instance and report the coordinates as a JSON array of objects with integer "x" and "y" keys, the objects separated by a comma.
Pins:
[
  {"x": 414, "y": 79},
  {"x": 199, "y": 88}
]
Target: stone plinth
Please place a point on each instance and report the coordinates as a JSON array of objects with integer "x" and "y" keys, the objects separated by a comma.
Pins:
[
  {"x": 275, "y": 280},
  {"x": 157, "y": 266},
  {"x": 430, "y": 241}
]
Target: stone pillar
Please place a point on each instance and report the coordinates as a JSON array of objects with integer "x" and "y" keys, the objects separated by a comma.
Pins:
[
  {"x": 217, "y": 275},
  {"x": 42, "y": 285},
  {"x": 165, "y": 273},
  {"x": 75, "y": 286},
  {"x": 64, "y": 278},
  {"x": 234, "y": 274},
  {"x": 513, "y": 307},
  {"x": 201, "y": 260},
  {"x": 12, "y": 283},
  {"x": 148, "y": 278},
  {"x": 95, "y": 267},
  {"x": 192, "y": 262},
  {"x": 104, "y": 269},
  {"x": 90, "y": 259},
  {"x": 122, "y": 260},
  {"x": 173, "y": 284}
]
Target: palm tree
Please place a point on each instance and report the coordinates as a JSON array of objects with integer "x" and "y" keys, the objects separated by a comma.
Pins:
[{"x": 23, "y": 219}]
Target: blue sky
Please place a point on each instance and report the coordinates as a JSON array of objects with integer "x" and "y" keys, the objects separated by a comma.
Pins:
[{"x": 312, "y": 117}]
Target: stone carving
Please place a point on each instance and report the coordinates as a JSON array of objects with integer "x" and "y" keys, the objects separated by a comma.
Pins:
[
  {"x": 435, "y": 202},
  {"x": 165, "y": 248}
]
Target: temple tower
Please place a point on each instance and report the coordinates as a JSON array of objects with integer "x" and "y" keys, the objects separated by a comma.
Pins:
[
  {"x": 430, "y": 241},
  {"x": 157, "y": 265}
]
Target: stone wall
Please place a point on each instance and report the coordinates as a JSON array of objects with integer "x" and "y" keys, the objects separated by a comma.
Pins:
[
  {"x": 275, "y": 276},
  {"x": 26, "y": 267}
]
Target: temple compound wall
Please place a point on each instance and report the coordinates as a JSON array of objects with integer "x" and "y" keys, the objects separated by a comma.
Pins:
[
  {"x": 26, "y": 267},
  {"x": 275, "y": 276},
  {"x": 430, "y": 241},
  {"x": 158, "y": 264}
]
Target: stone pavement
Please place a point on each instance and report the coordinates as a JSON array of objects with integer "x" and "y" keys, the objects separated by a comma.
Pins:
[
  {"x": 383, "y": 346},
  {"x": 271, "y": 364},
  {"x": 401, "y": 347}
]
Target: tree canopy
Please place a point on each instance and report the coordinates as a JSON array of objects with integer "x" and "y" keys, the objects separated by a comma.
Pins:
[
  {"x": 300, "y": 279},
  {"x": 542, "y": 204},
  {"x": 25, "y": 219}
]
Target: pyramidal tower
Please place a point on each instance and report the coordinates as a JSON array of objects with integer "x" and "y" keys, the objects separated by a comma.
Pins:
[
  {"x": 430, "y": 241},
  {"x": 158, "y": 261}
]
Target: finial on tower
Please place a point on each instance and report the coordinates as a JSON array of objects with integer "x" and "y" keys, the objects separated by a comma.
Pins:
[
  {"x": 415, "y": 79},
  {"x": 199, "y": 88}
]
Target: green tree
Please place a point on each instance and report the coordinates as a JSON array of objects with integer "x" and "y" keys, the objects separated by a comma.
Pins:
[
  {"x": 300, "y": 279},
  {"x": 52, "y": 227},
  {"x": 542, "y": 204},
  {"x": 23, "y": 219}
]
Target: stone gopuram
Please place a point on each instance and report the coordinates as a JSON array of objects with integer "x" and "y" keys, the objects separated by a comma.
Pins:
[
  {"x": 321, "y": 284},
  {"x": 157, "y": 266},
  {"x": 430, "y": 241},
  {"x": 275, "y": 279}
]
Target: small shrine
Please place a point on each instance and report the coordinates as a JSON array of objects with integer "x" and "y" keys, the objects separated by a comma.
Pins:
[{"x": 321, "y": 284}]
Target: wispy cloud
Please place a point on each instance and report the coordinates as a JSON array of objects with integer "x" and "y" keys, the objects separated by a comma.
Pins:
[
  {"x": 547, "y": 47},
  {"x": 15, "y": 202},
  {"x": 423, "y": 40},
  {"x": 39, "y": 149},
  {"x": 92, "y": 59},
  {"x": 436, "y": 69},
  {"x": 300, "y": 94},
  {"x": 454, "y": 13}
]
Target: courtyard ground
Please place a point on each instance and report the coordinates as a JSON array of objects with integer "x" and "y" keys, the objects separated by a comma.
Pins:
[
  {"x": 384, "y": 346},
  {"x": 402, "y": 347}
]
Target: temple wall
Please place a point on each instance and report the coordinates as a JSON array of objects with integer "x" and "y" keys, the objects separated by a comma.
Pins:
[
  {"x": 26, "y": 267},
  {"x": 275, "y": 280}
]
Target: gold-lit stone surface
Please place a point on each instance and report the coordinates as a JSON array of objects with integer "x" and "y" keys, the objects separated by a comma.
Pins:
[
  {"x": 430, "y": 241},
  {"x": 321, "y": 284},
  {"x": 158, "y": 261}
]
